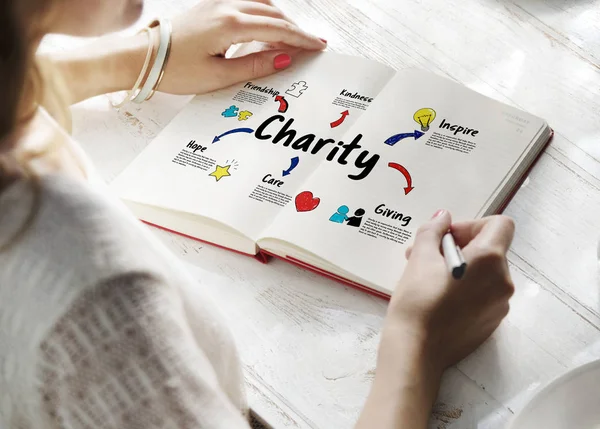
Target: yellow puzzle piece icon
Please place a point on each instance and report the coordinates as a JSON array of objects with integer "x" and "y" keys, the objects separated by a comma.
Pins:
[{"x": 244, "y": 115}]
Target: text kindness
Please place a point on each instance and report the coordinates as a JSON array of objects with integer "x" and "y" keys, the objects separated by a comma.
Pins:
[{"x": 272, "y": 129}]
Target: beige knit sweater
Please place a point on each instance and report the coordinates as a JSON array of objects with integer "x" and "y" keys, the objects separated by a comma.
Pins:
[{"x": 100, "y": 326}]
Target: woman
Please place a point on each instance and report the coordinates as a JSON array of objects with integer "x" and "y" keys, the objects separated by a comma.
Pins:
[{"x": 100, "y": 327}]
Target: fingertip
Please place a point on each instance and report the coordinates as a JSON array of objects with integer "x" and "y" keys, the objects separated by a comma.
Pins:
[
  {"x": 438, "y": 213},
  {"x": 489, "y": 232},
  {"x": 463, "y": 232},
  {"x": 429, "y": 235},
  {"x": 282, "y": 61},
  {"x": 506, "y": 231},
  {"x": 318, "y": 43},
  {"x": 442, "y": 216},
  {"x": 510, "y": 225}
]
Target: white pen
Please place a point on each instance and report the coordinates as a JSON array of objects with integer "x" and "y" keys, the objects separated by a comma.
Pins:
[{"x": 454, "y": 257}]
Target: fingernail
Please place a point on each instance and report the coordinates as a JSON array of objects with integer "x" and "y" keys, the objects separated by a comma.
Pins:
[
  {"x": 322, "y": 40},
  {"x": 438, "y": 213},
  {"x": 281, "y": 61}
]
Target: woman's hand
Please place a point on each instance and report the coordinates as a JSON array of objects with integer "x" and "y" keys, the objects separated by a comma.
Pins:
[
  {"x": 203, "y": 35},
  {"x": 434, "y": 321},
  {"x": 453, "y": 317}
]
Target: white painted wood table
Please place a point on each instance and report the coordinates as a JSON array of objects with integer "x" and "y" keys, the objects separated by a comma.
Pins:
[{"x": 308, "y": 344}]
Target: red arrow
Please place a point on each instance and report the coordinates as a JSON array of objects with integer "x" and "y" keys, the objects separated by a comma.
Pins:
[
  {"x": 339, "y": 121},
  {"x": 406, "y": 174},
  {"x": 283, "y": 104}
]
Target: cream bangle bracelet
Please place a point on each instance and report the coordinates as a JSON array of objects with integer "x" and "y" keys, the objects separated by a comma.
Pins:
[
  {"x": 131, "y": 94},
  {"x": 161, "y": 55},
  {"x": 164, "y": 65}
]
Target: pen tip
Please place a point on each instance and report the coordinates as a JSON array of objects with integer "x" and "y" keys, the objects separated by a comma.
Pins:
[{"x": 458, "y": 272}]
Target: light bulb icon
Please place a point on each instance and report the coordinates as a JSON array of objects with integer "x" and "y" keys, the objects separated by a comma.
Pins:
[{"x": 424, "y": 117}]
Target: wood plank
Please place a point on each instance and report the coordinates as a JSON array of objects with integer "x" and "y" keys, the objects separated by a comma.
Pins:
[{"x": 311, "y": 339}]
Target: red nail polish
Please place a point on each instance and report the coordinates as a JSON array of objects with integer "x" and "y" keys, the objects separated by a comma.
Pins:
[
  {"x": 322, "y": 40},
  {"x": 281, "y": 61},
  {"x": 438, "y": 213}
]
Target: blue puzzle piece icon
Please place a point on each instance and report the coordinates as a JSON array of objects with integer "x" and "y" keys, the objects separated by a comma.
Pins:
[{"x": 230, "y": 112}]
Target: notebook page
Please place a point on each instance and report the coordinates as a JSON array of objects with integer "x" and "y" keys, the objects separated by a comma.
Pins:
[
  {"x": 238, "y": 155},
  {"x": 440, "y": 145}
]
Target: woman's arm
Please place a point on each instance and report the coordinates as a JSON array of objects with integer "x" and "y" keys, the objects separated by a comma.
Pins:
[
  {"x": 405, "y": 386},
  {"x": 135, "y": 363},
  {"x": 110, "y": 64},
  {"x": 434, "y": 321},
  {"x": 196, "y": 65}
]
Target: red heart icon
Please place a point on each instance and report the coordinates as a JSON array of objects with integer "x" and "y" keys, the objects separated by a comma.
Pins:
[{"x": 305, "y": 201}]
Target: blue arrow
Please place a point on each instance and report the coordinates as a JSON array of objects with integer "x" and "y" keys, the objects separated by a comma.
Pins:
[
  {"x": 295, "y": 160},
  {"x": 235, "y": 130},
  {"x": 395, "y": 139}
]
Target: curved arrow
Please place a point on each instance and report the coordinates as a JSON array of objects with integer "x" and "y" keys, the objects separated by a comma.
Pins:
[
  {"x": 283, "y": 104},
  {"x": 339, "y": 121},
  {"x": 395, "y": 139},
  {"x": 406, "y": 174},
  {"x": 295, "y": 160},
  {"x": 235, "y": 130}
]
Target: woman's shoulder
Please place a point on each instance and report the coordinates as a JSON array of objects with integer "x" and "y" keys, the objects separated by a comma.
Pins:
[
  {"x": 86, "y": 280},
  {"x": 60, "y": 236}
]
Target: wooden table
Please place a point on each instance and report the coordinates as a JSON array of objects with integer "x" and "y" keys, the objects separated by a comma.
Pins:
[{"x": 308, "y": 344}]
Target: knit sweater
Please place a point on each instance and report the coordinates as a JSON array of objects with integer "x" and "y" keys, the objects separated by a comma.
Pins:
[{"x": 100, "y": 325}]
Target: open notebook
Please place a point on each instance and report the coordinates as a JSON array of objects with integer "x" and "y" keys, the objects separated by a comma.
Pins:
[{"x": 332, "y": 164}]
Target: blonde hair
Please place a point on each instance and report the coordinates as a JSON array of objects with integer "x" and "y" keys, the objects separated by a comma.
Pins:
[{"x": 25, "y": 83}]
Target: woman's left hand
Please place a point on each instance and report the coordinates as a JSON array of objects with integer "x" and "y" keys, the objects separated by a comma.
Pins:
[
  {"x": 196, "y": 65},
  {"x": 202, "y": 35}
]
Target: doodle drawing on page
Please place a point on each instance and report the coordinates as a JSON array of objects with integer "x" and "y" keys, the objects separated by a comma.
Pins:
[
  {"x": 409, "y": 187},
  {"x": 234, "y": 131},
  {"x": 220, "y": 172},
  {"x": 356, "y": 220},
  {"x": 230, "y": 112},
  {"x": 391, "y": 141},
  {"x": 306, "y": 201},
  {"x": 339, "y": 122},
  {"x": 341, "y": 215},
  {"x": 293, "y": 164},
  {"x": 224, "y": 170},
  {"x": 244, "y": 115},
  {"x": 297, "y": 89},
  {"x": 424, "y": 117},
  {"x": 283, "y": 104}
]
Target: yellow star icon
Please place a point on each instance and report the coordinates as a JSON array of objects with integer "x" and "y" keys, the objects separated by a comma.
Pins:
[{"x": 220, "y": 172}]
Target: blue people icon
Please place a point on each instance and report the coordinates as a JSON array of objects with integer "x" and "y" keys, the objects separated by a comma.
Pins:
[
  {"x": 340, "y": 215},
  {"x": 356, "y": 220}
]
